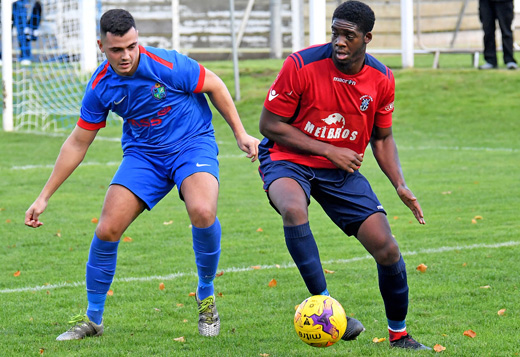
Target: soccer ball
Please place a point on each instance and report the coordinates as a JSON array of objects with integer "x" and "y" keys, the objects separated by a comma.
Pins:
[{"x": 320, "y": 321}]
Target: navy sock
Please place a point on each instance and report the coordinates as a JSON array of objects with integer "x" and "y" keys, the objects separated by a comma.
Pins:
[
  {"x": 206, "y": 245},
  {"x": 101, "y": 267},
  {"x": 304, "y": 251},
  {"x": 394, "y": 290}
]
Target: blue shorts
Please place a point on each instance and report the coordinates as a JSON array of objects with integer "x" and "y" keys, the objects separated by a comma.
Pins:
[
  {"x": 347, "y": 198},
  {"x": 151, "y": 177}
]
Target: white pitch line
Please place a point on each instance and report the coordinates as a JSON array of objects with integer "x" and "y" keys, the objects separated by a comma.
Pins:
[{"x": 262, "y": 267}]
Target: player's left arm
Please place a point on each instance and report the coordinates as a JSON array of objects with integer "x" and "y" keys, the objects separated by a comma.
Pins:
[
  {"x": 220, "y": 97},
  {"x": 385, "y": 151}
]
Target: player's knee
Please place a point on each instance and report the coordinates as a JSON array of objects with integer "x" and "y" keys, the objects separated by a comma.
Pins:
[
  {"x": 107, "y": 232},
  {"x": 388, "y": 254},
  {"x": 202, "y": 216},
  {"x": 293, "y": 214}
]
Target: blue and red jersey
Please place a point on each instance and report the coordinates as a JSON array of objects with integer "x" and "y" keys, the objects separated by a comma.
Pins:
[
  {"x": 161, "y": 104},
  {"x": 329, "y": 105}
]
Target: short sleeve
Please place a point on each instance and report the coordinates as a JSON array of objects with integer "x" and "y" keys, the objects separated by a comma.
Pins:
[
  {"x": 283, "y": 97},
  {"x": 93, "y": 114},
  {"x": 383, "y": 118}
]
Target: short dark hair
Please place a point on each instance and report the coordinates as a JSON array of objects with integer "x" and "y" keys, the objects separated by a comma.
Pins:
[
  {"x": 116, "y": 21},
  {"x": 356, "y": 12}
]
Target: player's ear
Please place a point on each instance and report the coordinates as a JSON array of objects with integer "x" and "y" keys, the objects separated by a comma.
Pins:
[
  {"x": 100, "y": 45},
  {"x": 368, "y": 38}
]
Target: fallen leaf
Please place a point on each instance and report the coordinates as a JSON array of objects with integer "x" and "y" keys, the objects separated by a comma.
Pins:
[
  {"x": 277, "y": 265},
  {"x": 422, "y": 268},
  {"x": 167, "y": 223},
  {"x": 464, "y": 264},
  {"x": 94, "y": 220},
  {"x": 501, "y": 312},
  {"x": 17, "y": 273},
  {"x": 2, "y": 209},
  {"x": 438, "y": 348},
  {"x": 161, "y": 286},
  {"x": 8, "y": 221},
  {"x": 470, "y": 333},
  {"x": 156, "y": 309},
  {"x": 255, "y": 267},
  {"x": 264, "y": 354},
  {"x": 396, "y": 217},
  {"x": 329, "y": 271},
  {"x": 378, "y": 340},
  {"x": 478, "y": 217},
  {"x": 485, "y": 287},
  {"x": 42, "y": 350},
  {"x": 220, "y": 294},
  {"x": 110, "y": 292},
  {"x": 185, "y": 320},
  {"x": 191, "y": 294},
  {"x": 127, "y": 239},
  {"x": 58, "y": 234},
  {"x": 180, "y": 305},
  {"x": 272, "y": 283},
  {"x": 259, "y": 229},
  {"x": 180, "y": 339},
  {"x": 219, "y": 274},
  {"x": 473, "y": 221},
  {"x": 446, "y": 192}
]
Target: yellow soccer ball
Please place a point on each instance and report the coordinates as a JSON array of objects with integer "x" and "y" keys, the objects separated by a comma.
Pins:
[{"x": 320, "y": 321}]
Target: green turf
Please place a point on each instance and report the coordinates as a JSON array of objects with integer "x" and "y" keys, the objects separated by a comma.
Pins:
[{"x": 457, "y": 131}]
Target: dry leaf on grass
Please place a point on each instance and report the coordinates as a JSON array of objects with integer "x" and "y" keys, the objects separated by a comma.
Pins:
[
  {"x": 127, "y": 239},
  {"x": 438, "y": 348},
  {"x": 191, "y": 294},
  {"x": 110, "y": 292},
  {"x": 470, "y": 333},
  {"x": 272, "y": 283},
  {"x": 259, "y": 229},
  {"x": 328, "y": 271},
  {"x": 255, "y": 267},
  {"x": 94, "y": 220},
  {"x": 501, "y": 312},
  {"x": 180, "y": 339},
  {"x": 219, "y": 274},
  {"x": 161, "y": 286},
  {"x": 422, "y": 268},
  {"x": 167, "y": 223},
  {"x": 378, "y": 340},
  {"x": 17, "y": 273}
]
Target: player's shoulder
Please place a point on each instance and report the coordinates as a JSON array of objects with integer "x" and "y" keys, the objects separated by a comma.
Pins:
[
  {"x": 311, "y": 55},
  {"x": 159, "y": 56},
  {"x": 377, "y": 66},
  {"x": 99, "y": 76}
]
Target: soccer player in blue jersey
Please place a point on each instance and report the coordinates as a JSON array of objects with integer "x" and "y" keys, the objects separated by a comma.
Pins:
[
  {"x": 168, "y": 139},
  {"x": 326, "y": 105}
]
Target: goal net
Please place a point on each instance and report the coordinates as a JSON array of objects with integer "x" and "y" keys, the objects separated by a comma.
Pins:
[{"x": 49, "y": 77}]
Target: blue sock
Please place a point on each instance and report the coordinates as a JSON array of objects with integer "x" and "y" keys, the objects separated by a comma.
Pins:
[
  {"x": 304, "y": 251},
  {"x": 394, "y": 290},
  {"x": 396, "y": 326},
  {"x": 206, "y": 245},
  {"x": 101, "y": 267}
]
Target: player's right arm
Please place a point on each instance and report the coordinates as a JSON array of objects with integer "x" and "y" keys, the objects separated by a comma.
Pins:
[
  {"x": 71, "y": 154},
  {"x": 276, "y": 128}
]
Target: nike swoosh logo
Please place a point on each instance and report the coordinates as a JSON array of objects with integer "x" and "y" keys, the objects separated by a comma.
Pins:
[
  {"x": 272, "y": 95},
  {"x": 119, "y": 102},
  {"x": 200, "y": 165},
  {"x": 289, "y": 93}
]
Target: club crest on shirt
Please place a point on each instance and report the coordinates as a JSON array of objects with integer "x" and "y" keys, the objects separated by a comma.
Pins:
[
  {"x": 365, "y": 102},
  {"x": 158, "y": 91}
]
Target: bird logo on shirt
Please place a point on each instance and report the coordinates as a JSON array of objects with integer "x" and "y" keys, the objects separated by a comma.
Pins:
[{"x": 159, "y": 91}]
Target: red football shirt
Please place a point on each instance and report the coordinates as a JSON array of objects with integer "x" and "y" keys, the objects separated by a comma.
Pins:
[{"x": 329, "y": 105}]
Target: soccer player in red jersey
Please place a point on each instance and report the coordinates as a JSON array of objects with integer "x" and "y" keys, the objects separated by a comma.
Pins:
[{"x": 326, "y": 105}]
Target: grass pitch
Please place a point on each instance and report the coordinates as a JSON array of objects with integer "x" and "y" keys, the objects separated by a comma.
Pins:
[{"x": 457, "y": 131}]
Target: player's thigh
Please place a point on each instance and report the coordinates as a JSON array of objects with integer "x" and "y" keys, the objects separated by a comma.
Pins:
[
  {"x": 200, "y": 194},
  {"x": 376, "y": 236},
  {"x": 121, "y": 207},
  {"x": 289, "y": 198}
]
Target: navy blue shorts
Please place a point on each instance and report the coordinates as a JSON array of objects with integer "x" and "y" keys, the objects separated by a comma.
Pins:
[
  {"x": 347, "y": 198},
  {"x": 151, "y": 177}
]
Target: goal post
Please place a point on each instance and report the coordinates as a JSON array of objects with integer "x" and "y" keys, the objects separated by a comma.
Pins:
[{"x": 45, "y": 91}]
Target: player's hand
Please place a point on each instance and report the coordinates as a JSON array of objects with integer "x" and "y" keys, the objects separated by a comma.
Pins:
[
  {"x": 345, "y": 159},
  {"x": 410, "y": 200},
  {"x": 33, "y": 213},
  {"x": 249, "y": 145}
]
